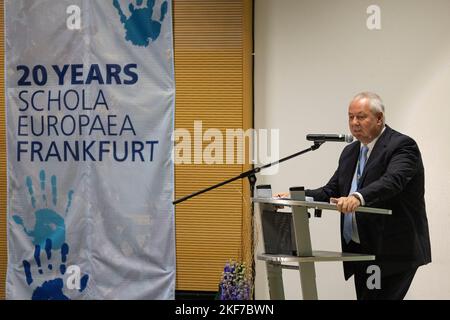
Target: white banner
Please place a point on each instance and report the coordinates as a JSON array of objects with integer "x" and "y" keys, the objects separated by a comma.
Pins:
[{"x": 90, "y": 109}]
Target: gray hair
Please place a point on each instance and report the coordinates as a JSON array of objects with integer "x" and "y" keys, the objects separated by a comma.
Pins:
[{"x": 375, "y": 102}]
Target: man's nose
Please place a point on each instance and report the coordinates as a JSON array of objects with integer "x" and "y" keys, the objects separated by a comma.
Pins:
[{"x": 354, "y": 121}]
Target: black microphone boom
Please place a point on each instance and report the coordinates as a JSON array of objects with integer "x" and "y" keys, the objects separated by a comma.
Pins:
[{"x": 330, "y": 137}]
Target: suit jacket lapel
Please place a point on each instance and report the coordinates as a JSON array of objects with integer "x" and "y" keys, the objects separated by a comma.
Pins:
[{"x": 350, "y": 167}]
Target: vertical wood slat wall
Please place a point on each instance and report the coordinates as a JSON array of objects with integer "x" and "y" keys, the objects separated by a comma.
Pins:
[
  {"x": 213, "y": 72},
  {"x": 3, "y": 183},
  {"x": 213, "y": 45}
]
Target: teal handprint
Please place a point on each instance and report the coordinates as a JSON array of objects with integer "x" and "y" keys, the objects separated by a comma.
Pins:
[
  {"x": 140, "y": 28},
  {"x": 49, "y": 223}
]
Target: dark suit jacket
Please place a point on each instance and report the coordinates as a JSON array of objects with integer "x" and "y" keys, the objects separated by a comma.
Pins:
[{"x": 393, "y": 178}]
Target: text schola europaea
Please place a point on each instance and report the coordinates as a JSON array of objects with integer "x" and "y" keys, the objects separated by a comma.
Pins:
[{"x": 66, "y": 120}]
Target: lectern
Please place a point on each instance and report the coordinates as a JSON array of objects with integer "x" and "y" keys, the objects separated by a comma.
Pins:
[{"x": 286, "y": 238}]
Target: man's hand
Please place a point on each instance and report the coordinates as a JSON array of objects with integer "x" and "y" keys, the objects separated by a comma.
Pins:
[
  {"x": 346, "y": 204},
  {"x": 283, "y": 195}
]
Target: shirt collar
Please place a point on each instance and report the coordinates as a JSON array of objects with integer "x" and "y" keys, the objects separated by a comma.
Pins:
[{"x": 372, "y": 143}]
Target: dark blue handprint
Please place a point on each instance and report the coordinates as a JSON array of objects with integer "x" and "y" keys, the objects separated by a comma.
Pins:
[
  {"x": 139, "y": 26},
  {"x": 49, "y": 223},
  {"x": 51, "y": 289}
]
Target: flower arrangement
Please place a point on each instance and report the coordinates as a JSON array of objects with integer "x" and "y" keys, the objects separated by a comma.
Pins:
[{"x": 235, "y": 284}]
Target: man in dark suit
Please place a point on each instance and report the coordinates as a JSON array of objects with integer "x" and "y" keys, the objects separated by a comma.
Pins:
[{"x": 382, "y": 169}]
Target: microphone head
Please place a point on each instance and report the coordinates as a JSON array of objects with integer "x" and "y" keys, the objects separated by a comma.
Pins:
[{"x": 348, "y": 138}]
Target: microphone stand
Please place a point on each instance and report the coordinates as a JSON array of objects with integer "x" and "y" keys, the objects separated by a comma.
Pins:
[{"x": 250, "y": 174}]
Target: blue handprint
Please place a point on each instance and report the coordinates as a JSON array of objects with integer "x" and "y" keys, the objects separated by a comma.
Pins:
[
  {"x": 50, "y": 289},
  {"x": 139, "y": 26},
  {"x": 49, "y": 223}
]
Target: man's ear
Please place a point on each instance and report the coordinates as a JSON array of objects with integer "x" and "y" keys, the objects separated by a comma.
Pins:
[{"x": 380, "y": 118}]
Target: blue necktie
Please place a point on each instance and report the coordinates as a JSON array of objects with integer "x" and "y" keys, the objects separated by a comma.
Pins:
[{"x": 348, "y": 218}]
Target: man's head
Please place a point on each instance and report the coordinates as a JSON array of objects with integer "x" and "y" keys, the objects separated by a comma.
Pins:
[{"x": 366, "y": 116}]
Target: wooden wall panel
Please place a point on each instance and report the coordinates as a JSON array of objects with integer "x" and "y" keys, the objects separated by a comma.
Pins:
[{"x": 213, "y": 47}]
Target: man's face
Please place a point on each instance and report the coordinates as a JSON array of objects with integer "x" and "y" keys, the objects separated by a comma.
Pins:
[{"x": 364, "y": 124}]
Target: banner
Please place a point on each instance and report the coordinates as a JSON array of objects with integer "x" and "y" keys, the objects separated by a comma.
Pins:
[{"x": 90, "y": 109}]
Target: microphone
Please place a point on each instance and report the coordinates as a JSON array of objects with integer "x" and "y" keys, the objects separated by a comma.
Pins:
[{"x": 330, "y": 137}]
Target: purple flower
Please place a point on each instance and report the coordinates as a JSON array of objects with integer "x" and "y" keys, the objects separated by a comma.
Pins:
[{"x": 235, "y": 283}]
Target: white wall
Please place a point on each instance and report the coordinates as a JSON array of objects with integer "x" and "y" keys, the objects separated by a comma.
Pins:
[{"x": 311, "y": 58}]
